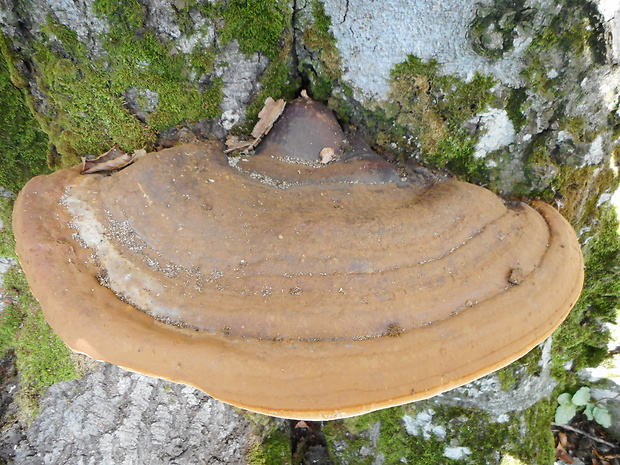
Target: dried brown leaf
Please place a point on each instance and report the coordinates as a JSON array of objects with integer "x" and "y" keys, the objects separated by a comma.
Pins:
[
  {"x": 233, "y": 143},
  {"x": 564, "y": 456},
  {"x": 268, "y": 116},
  {"x": 138, "y": 154},
  {"x": 113, "y": 159},
  {"x": 563, "y": 440}
]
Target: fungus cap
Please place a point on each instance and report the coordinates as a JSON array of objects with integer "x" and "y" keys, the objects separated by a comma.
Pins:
[{"x": 290, "y": 287}]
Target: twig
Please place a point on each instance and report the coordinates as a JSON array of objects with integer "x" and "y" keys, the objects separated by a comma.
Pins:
[
  {"x": 603, "y": 399},
  {"x": 583, "y": 433}
]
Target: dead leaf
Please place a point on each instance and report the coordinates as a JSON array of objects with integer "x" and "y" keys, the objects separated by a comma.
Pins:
[
  {"x": 113, "y": 159},
  {"x": 563, "y": 440},
  {"x": 234, "y": 143},
  {"x": 138, "y": 154},
  {"x": 564, "y": 456},
  {"x": 267, "y": 116}
]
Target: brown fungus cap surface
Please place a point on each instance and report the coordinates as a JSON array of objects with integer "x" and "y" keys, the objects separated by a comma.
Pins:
[{"x": 292, "y": 288}]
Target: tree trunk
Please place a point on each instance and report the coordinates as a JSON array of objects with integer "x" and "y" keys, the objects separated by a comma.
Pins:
[{"x": 521, "y": 96}]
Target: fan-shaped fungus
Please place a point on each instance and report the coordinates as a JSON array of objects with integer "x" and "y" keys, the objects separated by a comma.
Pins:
[{"x": 293, "y": 287}]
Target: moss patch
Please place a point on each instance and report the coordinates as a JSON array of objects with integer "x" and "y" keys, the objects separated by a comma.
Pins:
[
  {"x": 273, "y": 449},
  {"x": 86, "y": 98},
  {"x": 493, "y": 32},
  {"x": 575, "y": 36},
  {"x": 577, "y": 28},
  {"x": 258, "y": 25},
  {"x": 83, "y": 101},
  {"x": 582, "y": 339},
  {"x": 273, "y": 444},
  {"x": 539, "y": 448},
  {"x": 345, "y": 441},
  {"x": 528, "y": 365},
  {"x": 430, "y": 109},
  {"x": 23, "y": 146},
  {"x": 322, "y": 70},
  {"x": 277, "y": 82},
  {"x": 42, "y": 358},
  {"x": 514, "y": 107},
  {"x": 451, "y": 427}
]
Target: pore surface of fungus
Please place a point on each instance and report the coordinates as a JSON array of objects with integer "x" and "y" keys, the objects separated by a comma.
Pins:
[{"x": 293, "y": 287}]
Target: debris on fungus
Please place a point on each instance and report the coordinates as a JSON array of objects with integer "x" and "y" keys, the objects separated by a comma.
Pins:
[
  {"x": 274, "y": 282},
  {"x": 113, "y": 159},
  {"x": 266, "y": 118}
]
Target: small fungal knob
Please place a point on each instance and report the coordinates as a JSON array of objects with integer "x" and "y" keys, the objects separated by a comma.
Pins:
[
  {"x": 516, "y": 276},
  {"x": 327, "y": 155}
]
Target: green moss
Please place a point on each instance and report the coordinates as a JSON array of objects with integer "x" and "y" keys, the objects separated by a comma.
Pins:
[
  {"x": 125, "y": 15},
  {"x": 13, "y": 315},
  {"x": 579, "y": 189},
  {"x": 85, "y": 111},
  {"x": 613, "y": 120},
  {"x": 258, "y": 25},
  {"x": 538, "y": 150},
  {"x": 42, "y": 358},
  {"x": 85, "y": 108},
  {"x": 476, "y": 431},
  {"x": 430, "y": 109},
  {"x": 274, "y": 449},
  {"x": 322, "y": 72},
  {"x": 470, "y": 428},
  {"x": 277, "y": 82},
  {"x": 273, "y": 446},
  {"x": 575, "y": 32},
  {"x": 578, "y": 127},
  {"x": 23, "y": 146},
  {"x": 528, "y": 365},
  {"x": 394, "y": 442},
  {"x": 539, "y": 448},
  {"x": 582, "y": 339},
  {"x": 148, "y": 64},
  {"x": 492, "y": 31},
  {"x": 507, "y": 377},
  {"x": 183, "y": 15},
  {"x": 514, "y": 107},
  {"x": 576, "y": 29},
  {"x": 84, "y": 118},
  {"x": 345, "y": 442},
  {"x": 7, "y": 240}
]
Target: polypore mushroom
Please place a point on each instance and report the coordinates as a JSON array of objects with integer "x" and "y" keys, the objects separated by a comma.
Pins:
[{"x": 290, "y": 287}]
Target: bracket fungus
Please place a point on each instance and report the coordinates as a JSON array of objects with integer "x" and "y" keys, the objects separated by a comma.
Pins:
[{"x": 292, "y": 285}]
